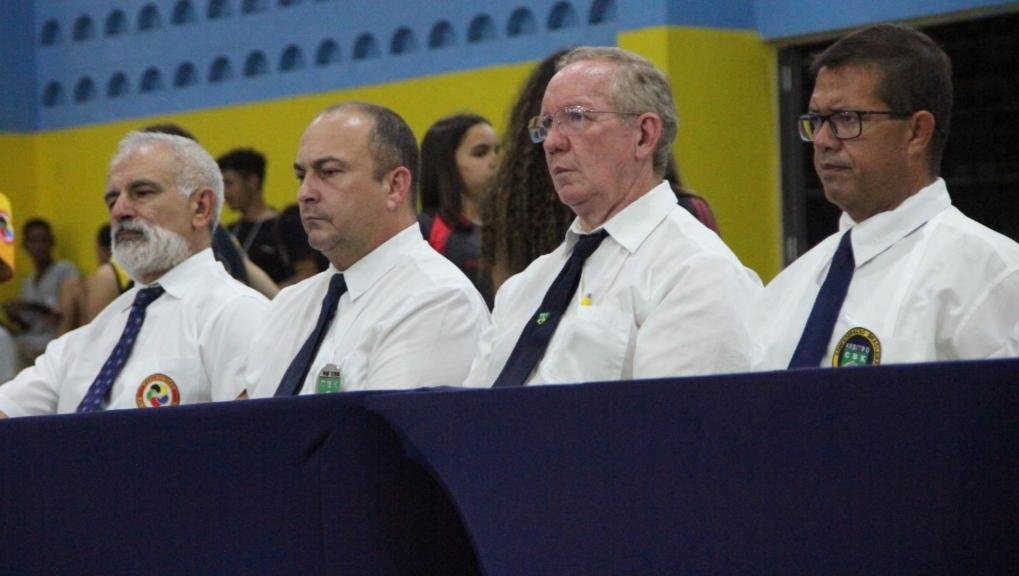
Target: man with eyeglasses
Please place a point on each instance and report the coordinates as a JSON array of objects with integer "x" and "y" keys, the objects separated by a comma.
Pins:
[
  {"x": 907, "y": 278},
  {"x": 639, "y": 288}
]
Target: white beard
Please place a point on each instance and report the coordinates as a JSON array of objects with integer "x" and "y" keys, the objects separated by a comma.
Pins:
[{"x": 158, "y": 250}]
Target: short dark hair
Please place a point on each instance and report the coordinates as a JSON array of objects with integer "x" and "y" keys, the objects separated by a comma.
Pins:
[
  {"x": 442, "y": 186},
  {"x": 912, "y": 73},
  {"x": 246, "y": 161},
  {"x": 37, "y": 223},
  {"x": 392, "y": 141},
  {"x": 169, "y": 128}
]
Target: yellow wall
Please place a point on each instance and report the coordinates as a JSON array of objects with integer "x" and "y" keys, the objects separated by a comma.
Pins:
[
  {"x": 727, "y": 146},
  {"x": 18, "y": 182},
  {"x": 728, "y": 151}
]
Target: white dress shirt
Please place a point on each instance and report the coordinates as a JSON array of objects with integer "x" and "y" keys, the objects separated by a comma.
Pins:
[
  {"x": 408, "y": 319},
  {"x": 929, "y": 284},
  {"x": 661, "y": 296},
  {"x": 188, "y": 342}
]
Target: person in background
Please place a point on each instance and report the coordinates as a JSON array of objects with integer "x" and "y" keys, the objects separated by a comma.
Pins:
[
  {"x": 73, "y": 294},
  {"x": 243, "y": 180},
  {"x": 8, "y": 348},
  {"x": 524, "y": 217},
  {"x": 908, "y": 277},
  {"x": 172, "y": 338},
  {"x": 303, "y": 260},
  {"x": 37, "y": 309},
  {"x": 107, "y": 282},
  {"x": 458, "y": 161},
  {"x": 693, "y": 203},
  {"x": 639, "y": 288},
  {"x": 390, "y": 312}
]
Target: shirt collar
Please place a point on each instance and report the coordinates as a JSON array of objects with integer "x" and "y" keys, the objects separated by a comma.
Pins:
[
  {"x": 633, "y": 224},
  {"x": 879, "y": 232},
  {"x": 179, "y": 279},
  {"x": 366, "y": 271}
]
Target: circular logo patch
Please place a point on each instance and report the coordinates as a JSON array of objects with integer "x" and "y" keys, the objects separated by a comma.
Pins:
[
  {"x": 859, "y": 347},
  {"x": 157, "y": 390}
]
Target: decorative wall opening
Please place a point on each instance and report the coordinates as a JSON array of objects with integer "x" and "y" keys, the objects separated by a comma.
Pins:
[
  {"x": 442, "y": 35},
  {"x": 481, "y": 29},
  {"x": 220, "y": 70},
  {"x": 116, "y": 23},
  {"x": 328, "y": 52},
  {"x": 256, "y": 64},
  {"x": 51, "y": 35},
  {"x": 521, "y": 23},
  {"x": 254, "y": 6},
  {"x": 149, "y": 19},
  {"x": 602, "y": 11},
  {"x": 117, "y": 86},
  {"x": 186, "y": 75},
  {"x": 152, "y": 80},
  {"x": 404, "y": 41},
  {"x": 292, "y": 59},
  {"x": 183, "y": 13},
  {"x": 85, "y": 90},
  {"x": 366, "y": 47},
  {"x": 562, "y": 16},
  {"x": 218, "y": 9},
  {"x": 53, "y": 95},
  {"x": 84, "y": 29}
]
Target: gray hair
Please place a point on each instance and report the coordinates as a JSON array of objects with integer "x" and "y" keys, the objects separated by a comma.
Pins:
[
  {"x": 195, "y": 168},
  {"x": 638, "y": 87}
]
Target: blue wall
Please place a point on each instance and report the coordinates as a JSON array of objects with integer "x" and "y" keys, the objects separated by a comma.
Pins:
[
  {"x": 777, "y": 19},
  {"x": 18, "y": 103},
  {"x": 116, "y": 59},
  {"x": 88, "y": 61}
]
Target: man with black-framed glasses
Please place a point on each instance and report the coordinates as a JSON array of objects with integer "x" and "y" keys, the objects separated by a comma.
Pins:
[
  {"x": 907, "y": 278},
  {"x": 639, "y": 288}
]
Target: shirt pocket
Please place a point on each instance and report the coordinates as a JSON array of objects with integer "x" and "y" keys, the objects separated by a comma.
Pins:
[{"x": 588, "y": 347}]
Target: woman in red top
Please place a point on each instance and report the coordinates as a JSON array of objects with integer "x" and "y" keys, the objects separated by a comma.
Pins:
[{"x": 458, "y": 161}]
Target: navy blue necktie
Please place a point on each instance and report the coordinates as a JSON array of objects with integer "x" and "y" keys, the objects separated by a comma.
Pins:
[
  {"x": 100, "y": 387},
  {"x": 817, "y": 333},
  {"x": 539, "y": 329},
  {"x": 293, "y": 379}
]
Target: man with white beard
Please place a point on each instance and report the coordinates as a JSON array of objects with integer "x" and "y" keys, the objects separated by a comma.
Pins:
[{"x": 172, "y": 338}]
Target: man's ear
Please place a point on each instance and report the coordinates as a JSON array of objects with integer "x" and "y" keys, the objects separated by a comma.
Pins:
[
  {"x": 650, "y": 133},
  {"x": 398, "y": 191},
  {"x": 922, "y": 126},
  {"x": 203, "y": 207}
]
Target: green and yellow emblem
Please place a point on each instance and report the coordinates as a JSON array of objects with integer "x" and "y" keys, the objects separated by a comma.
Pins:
[{"x": 859, "y": 347}]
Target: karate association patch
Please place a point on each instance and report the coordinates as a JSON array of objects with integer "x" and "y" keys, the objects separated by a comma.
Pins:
[
  {"x": 859, "y": 347},
  {"x": 157, "y": 390}
]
